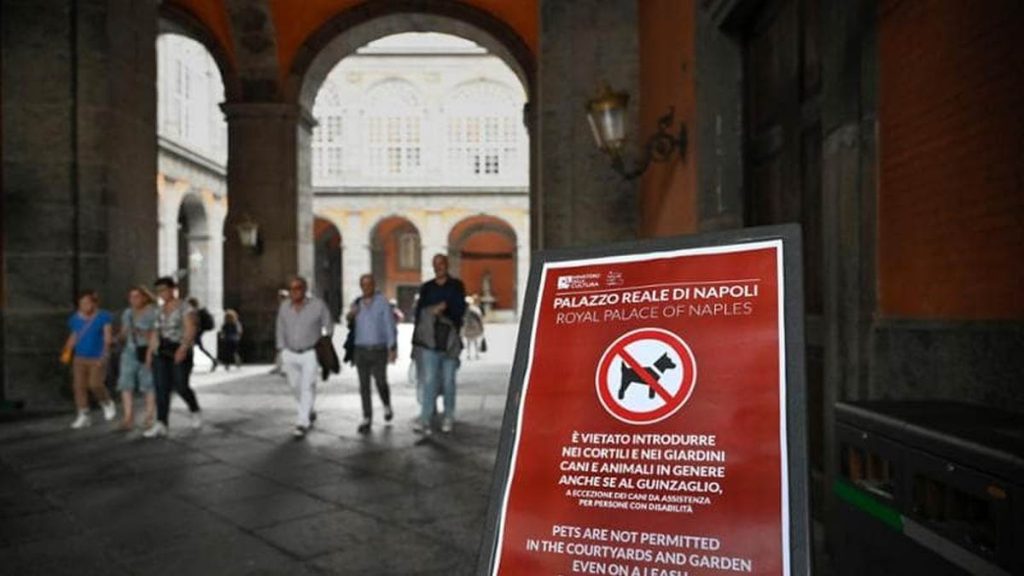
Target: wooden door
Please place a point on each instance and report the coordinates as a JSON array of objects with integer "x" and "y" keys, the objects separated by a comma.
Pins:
[{"x": 783, "y": 159}]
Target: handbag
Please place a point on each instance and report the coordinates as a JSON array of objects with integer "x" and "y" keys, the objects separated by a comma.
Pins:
[
  {"x": 483, "y": 344},
  {"x": 168, "y": 347},
  {"x": 140, "y": 351},
  {"x": 442, "y": 330},
  {"x": 326, "y": 357}
]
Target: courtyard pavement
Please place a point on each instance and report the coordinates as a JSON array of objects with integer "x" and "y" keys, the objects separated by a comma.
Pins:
[{"x": 241, "y": 496}]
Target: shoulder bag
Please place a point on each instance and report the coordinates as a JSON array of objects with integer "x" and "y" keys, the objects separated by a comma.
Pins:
[
  {"x": 68, "y": 353},
  {"x": 140, "y": 351}
]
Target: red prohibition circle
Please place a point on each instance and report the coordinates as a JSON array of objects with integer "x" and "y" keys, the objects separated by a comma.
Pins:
[{"x": 673, "y": 403}]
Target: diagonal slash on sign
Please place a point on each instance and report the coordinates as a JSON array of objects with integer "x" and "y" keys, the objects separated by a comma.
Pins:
[{"x": 642, "y": 372}]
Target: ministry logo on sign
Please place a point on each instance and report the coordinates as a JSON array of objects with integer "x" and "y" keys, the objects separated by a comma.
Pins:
[
  {"x": 613, "y": 278},
  {"x": 579, "y": 281}
]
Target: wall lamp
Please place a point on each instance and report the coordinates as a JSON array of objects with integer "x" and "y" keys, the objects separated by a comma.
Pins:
[
  {"x": 607, "y": 117},
  {"x": 249, "y": 234}
]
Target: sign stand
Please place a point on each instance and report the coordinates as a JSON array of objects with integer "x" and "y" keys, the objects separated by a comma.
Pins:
[{"x": 655, "y": 422}]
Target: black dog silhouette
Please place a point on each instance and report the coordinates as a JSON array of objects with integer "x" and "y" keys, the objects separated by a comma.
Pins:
[{"x": 661, "y": 365}]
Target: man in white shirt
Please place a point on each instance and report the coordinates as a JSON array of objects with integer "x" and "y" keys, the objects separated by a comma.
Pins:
[{"x": 301, "y": 320}]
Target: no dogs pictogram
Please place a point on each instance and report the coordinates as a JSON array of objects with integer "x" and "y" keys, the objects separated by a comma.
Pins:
[{"x": 646, "y": 376}]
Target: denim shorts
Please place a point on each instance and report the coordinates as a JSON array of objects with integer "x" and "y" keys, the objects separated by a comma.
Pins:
[{"x": 134, "y": 374}]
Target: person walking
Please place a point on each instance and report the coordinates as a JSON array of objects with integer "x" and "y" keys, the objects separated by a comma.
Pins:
[
  {"x": 228, "y": 338},
  {"x": 87, "y": 349},
  {"x": 373, "y": 323},
  {"x": 172, "y": 340},
  {"x": 301, "y": 320},
  {"x": 473, "y": 329},
  {"x": 441, "y": 304},
  {"x": 138, "y": 322},
  {"x": 205, "y": 324}
]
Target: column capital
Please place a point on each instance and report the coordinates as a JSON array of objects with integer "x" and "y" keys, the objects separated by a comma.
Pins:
[{"x": 281, "y": 110}]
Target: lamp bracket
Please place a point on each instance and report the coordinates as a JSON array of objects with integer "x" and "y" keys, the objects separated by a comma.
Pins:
[{"x": 659, "y": 147}]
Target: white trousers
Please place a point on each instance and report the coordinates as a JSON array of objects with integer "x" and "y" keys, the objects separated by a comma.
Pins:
[{"x": 300, "y": 369}]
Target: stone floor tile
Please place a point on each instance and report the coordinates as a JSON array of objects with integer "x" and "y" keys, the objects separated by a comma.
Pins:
[
  {"x": 33, "y": 527},
  {"x": 22, "y": 503},
  {"x": 323, "y": 533},
  {"x": 240, "y": 496},
  {"x": 62, "y": 556},
  {"x": 399, "y": 553},
  {"x": 235, "y": 554},
  {"x": 351, "y": 493},
  {"x": 263, "y": 511},
  {"x": 230, "y": 490}
]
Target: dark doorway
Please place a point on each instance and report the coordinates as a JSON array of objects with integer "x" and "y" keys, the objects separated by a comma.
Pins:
[{"x": 327, "y": 261}]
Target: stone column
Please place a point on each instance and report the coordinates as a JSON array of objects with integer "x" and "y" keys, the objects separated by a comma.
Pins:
[
  {"x": 355, "y": 256},
  {"x": 169, "y": 199},
  {"x": 304, "y": 174},
  {"x": 263, "y": 164},
  {"x": 582, "y": 44},
  {"x": 79, "y": 161},
  {"x": 433, "y": 240},
  {"x": 522, "y": 261},
  {"x": 215, "y": 216}
]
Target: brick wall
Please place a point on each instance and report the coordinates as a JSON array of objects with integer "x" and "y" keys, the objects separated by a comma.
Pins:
[{"x": 951, "y": 178}]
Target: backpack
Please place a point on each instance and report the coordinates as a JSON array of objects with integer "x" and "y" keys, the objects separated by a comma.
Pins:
[{"x": 205, "y": 320}]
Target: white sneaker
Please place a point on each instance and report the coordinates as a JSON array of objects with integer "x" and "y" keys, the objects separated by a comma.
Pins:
[
  {"x": 155, "y": 431},
  {"x": 197, "y": 420},
  {"x": 81, "y": 421},
  {"x": 447, "y": 425},
  {"x": 420, "y": 428},
  {"x": 109, "y": 410}
]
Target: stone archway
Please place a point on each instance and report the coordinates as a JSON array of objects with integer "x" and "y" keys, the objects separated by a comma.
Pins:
[
  {"x": 194, "y": 239},
  {"x": 174, "y": 19},
  {"x": 352, "y": 29},
  {"x": 396, "y": 252},
  {"x": 482, "y": 251},
  {"x": 270, "y": 169}
]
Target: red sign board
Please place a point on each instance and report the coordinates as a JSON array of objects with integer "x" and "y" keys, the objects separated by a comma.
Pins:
[{"x": 650, "y": 434}]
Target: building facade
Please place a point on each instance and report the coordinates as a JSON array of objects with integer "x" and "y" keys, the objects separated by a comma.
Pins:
[
  {"x": 420, "y": 148},
  {"x": 191, "y": 181}
]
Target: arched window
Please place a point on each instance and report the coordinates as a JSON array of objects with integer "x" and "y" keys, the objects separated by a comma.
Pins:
[
  {"x": 189, "y": 92},
  {"x": 394, "y": 119},
  {"x": 328, "y": 141},
  {"x": 485, "y": 133}
]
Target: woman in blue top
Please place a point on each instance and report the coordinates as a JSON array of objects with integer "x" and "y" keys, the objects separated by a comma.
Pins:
[
  {"x": 137, "y": 324},
  {"x": 90, "y": 337}
]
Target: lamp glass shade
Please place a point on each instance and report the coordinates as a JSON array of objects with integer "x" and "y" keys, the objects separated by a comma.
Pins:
[
  {"x": 610, "y": 129},
  {"x": 248, "y": 234},
  {"x": 607, "y": 117}
]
